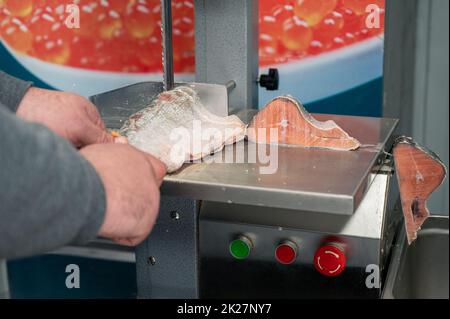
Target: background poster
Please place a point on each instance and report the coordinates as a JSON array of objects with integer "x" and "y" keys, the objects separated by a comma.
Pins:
[{"x": 329, "y": 52}]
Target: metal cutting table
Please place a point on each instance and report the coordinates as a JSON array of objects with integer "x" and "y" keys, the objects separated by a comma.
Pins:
[{"x": 315, "y": 180}]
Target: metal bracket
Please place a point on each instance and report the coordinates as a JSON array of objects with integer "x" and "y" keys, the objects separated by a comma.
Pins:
[{"x": 227, "y": 48}]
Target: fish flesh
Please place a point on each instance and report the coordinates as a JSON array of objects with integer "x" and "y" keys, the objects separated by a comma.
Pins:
[
  {"x": 419, "y": 173},
  {"x": 285, "y": 121},
  {"x": 176, "y": 128}
]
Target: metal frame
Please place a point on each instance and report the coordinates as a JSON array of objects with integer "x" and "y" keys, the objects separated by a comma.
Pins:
[
  {"x": 226, "y": 47},
  {"x": 399, "y": 61}
]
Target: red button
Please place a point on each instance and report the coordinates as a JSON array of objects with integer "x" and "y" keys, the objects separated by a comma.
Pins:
[
  {"x": 330, "y": 260},
  {"x": 286, "y": 253}
]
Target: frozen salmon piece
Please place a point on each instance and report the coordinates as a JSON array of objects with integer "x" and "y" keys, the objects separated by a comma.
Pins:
[
  {"x": 285, "y": 121},
  {"x": 177, "y": 128},
  {"x": 419, "y": 173}
]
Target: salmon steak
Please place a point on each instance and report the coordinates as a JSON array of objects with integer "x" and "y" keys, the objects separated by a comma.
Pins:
[
  {"x": 285, "y": 121},
  {"x": 176, "y": 128},
  {"x": 419, "y": 173}
]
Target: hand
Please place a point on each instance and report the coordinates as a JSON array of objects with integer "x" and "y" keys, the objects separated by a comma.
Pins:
[
  {"x": 68, "y": 115},
  {"x": 131, "y": 179}
]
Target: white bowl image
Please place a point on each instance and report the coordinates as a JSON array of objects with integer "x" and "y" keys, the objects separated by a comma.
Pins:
[
  {"x": 83, "y": 81},
  {"x": 310, "y": 79},
  {"x": 317, "y": 77}
]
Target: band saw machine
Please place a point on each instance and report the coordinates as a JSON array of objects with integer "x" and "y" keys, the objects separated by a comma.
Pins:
[{"x": 322, "y": 225}]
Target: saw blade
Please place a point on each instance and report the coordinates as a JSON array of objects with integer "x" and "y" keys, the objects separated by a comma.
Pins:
[{"x": 167, "y": 46}]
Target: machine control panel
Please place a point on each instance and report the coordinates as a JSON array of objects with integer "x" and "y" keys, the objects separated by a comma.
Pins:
[
  {"x": 239, "y": 260},
  {"x": 330, "y": 259}
]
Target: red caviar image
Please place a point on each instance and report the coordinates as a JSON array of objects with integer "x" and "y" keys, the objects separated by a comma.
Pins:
[{"x": 125, "y": 36}]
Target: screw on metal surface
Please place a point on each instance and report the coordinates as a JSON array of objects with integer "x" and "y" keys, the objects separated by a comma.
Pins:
[
  {"x": 174, "y": 215},
  {"x": 151, "y": 260}
]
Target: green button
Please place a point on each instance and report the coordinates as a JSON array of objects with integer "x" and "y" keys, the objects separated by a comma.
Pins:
[{"x": 240, "y": 247}]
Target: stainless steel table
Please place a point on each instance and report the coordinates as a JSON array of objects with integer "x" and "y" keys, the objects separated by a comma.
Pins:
[{"x": 308, "y": 179}]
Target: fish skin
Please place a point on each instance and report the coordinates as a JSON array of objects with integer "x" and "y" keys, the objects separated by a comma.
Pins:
[
  {"x": 176, "y": 113},
  {"x": 297, "y": 127}
]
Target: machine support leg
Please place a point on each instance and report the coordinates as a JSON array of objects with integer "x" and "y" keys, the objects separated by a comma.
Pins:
[{"x": 167, "y": 261}]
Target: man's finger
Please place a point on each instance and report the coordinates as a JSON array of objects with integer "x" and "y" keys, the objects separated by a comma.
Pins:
[
  {"x": 100, "y": 123},
  {"x": 130, "y": 242},
  {"x": 93, "y": 114},
  {"x": 92, "y": 134}
]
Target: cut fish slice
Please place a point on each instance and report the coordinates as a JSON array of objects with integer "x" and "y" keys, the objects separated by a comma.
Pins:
[
  {"x": 419, "y": 173},
  {"x": 285, "y": 121},
  {"x": 177, "y": 128}
]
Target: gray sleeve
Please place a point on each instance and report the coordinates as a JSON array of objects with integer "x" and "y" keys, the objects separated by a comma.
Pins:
[
  {"x": 49, "y": 194},
  {"x": 12, "y": 91}
]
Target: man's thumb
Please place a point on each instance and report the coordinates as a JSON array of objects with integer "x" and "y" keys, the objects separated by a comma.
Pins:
[{"x": 158, "y": 167}]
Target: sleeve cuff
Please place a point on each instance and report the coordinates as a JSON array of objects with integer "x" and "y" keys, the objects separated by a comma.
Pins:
[{"x": 12, "y": 91}]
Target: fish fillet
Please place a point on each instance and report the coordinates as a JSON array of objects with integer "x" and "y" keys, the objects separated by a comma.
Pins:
[
  {"x": 177, "y": 128},
  {"x": 285, "y": 121},
  {"x": 419, "y": 173}
]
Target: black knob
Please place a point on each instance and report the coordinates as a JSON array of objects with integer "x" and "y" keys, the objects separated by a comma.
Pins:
[{"x": 270, "y": 81}]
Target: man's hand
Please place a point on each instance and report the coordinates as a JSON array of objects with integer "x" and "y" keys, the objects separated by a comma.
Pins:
[
  {"x": 131, "y": 179},
  {"x": 68, "y": 115}
]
